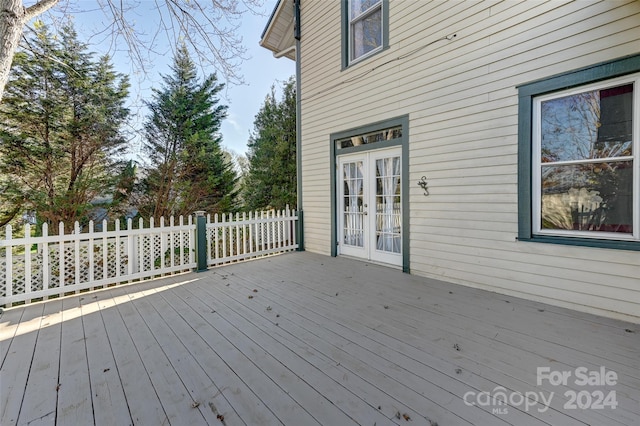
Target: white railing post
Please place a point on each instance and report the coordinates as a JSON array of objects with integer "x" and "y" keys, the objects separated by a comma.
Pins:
[
  {"x": 256, "y": 228},
  {"x": 208, "y": 236},
  {"x": 181, "y": 223},
  {"x": 224, "y": 236},
  {"x": 9, "y": 262},
  {"x": 76, "y": 252},
  {"x": 90, "y": 253},
  {"x": 118, "y": 254},
  {"x": 105, "y": 250},
  {"x": 163, "y": 245},
  {"x": 152, "y": 245},
  {"x": 270, "y": 226},
  {"x": 237, "y": 235},
  {"x": 215, "y": 235},
  {"x": 280, "y": 228},
  {"x": 27, "y": 258},
  {"x": 289, "y": 228},
  {"x": 141, "y": 237},
  {"x": 45, "y": 257},
  {"x": 262, "y": 235},
  {"x": 61, "y": 265},
  {"x": 245, "y": 233},
  {"x": 250, "y": 233},
  {"x": 172, "y": 243},
  {"x": 131, "y": 248}
]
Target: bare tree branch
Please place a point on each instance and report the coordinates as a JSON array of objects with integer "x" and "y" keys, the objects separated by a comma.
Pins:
[
  {"x": 208, "y": 27},
  {"x": 38, "y": 8}
]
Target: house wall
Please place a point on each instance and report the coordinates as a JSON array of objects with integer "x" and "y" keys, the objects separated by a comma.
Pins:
[{"x": 462, "y": 102}]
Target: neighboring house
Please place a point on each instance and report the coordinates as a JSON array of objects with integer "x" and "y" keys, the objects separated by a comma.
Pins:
[{"x": 491, "y": 144}]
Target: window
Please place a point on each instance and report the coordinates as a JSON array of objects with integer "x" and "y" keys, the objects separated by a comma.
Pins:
[
  {"x": 582, "y": 181},
  {"x": 369, "y": 138},
  {"x": 365, "y": 29}
]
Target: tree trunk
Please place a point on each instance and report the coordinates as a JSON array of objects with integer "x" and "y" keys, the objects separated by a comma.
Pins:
[
  {"x": 11, "y": 22},
  {"x": 13, "y": 16}
]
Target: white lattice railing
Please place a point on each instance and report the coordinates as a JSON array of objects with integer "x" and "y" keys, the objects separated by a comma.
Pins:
[
  {"x": 51, "y": 265},
  {"x": 246, "y": 236},
  {"x": 36, "y": 267}
]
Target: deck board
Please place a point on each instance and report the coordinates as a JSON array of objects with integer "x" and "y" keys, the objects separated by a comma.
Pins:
[
  {"x": 110, "y": 403},
  {"x": 75, "y": 403},
  {"x": 393, "y": 395},
  {"x": 16, "y": 365},
  {"x": 40, "y": 396},
  {"x": 249, "y": 362},
  {"x": 9, "y": 322},
  {"x": 393, "y": 352},
  {"x": 143, "y": 403},
  {"x": 185, "y": 350},
  {"x": 321, "y": 341},
  {"x": 301, "y": 361},
  {"x": 197, "y": 335},
  {"x": 173, "y": 395}
]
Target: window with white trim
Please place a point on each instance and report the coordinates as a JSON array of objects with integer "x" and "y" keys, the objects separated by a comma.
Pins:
[
  {"x": 365, "y": 28},
  {"x": 585, "y": 171}
]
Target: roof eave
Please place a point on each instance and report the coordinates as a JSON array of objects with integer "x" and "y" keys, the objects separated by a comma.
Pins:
[{"x": 278, "y": 34}]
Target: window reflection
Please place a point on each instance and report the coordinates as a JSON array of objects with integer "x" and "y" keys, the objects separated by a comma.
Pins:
[
  {"x": 586, "y": 163},
  {"x": 588, "y": 197},
  {"x": 365, "y": 27},
  {"x": 373, "y": 137},
  {"x": 359, "y": 6},
  {"x": 589, "y": 125},
  {"x": 367, "y": 34}
]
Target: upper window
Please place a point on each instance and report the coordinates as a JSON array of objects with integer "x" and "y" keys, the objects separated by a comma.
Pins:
[
  {"x": 365, "y": 28},
  {"x": 584, "y": 162}
]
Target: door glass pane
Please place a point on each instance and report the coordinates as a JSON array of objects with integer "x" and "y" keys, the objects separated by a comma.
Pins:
[
  {"x": 353, "y": 213},
  {"x": 388, "y": 205},
  {"x": 588, "y": 197}
]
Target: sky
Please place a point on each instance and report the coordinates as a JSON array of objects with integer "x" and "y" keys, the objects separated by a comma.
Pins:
[{"x": 260, "y": 71}]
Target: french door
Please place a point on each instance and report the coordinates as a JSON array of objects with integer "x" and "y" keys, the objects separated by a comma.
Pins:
[{"x": 370, "y": 205}]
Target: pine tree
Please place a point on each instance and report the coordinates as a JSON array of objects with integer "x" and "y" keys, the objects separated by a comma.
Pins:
[
  {"x": 188, "y": 170},
  {"x": 271, "y": 179},
  {"x": 60, "y": 129}
]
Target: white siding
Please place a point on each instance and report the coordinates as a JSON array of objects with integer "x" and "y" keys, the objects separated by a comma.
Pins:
[{"x": 461, "y": 98}]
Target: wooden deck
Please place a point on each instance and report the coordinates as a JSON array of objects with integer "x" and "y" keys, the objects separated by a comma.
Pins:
[{"x": 302, "y": 339}]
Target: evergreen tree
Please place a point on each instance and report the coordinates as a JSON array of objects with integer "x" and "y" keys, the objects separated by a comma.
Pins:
[
  {"x": 60, "y": 130},
  {"x": 271, "y": 178},
  {"x": 188, "y": 170}
]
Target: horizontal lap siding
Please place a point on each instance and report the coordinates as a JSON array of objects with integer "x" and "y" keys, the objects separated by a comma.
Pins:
[
  {"x": 315, "y": 148},
  {"x": 462, "y": 103}
]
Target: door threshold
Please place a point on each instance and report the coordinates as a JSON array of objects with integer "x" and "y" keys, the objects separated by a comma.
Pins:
[{"x": 373, "y": 262}]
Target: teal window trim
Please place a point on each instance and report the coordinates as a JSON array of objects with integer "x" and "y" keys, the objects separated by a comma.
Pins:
[
  {"x": 403, "y": 142},
  {"x": 526, "y": 94},
  {"x": 345, "y": 33}
]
